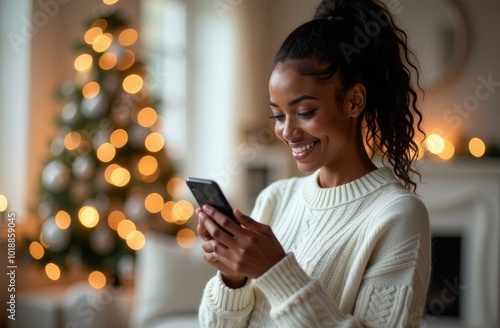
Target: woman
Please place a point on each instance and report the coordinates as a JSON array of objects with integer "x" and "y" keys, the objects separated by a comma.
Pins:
[{"x": 349, "y": 244}]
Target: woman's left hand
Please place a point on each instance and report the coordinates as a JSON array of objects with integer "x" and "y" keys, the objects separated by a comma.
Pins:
[{"x": 247, "y": 246}]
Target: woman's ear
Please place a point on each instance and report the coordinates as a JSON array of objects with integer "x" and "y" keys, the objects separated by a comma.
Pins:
[{"x": 356, "y": 99}]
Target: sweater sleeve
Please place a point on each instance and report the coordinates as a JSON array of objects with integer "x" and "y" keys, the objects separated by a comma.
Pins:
[{"x": 391, "y": 292}]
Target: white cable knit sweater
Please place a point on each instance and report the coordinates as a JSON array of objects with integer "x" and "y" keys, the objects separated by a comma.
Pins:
[{"x": 358, "y": 255}]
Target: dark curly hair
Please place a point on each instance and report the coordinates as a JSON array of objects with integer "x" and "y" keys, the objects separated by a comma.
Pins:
[{"x": 358, "y": 41}]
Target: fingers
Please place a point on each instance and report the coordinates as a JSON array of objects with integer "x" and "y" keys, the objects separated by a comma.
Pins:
[
  {"x": 250, "y": 223},
  {"x": 218, "y": 225}
]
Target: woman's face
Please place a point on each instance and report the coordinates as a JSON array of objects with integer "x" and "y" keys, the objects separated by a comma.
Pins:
[{"x": 314, "y": 119}]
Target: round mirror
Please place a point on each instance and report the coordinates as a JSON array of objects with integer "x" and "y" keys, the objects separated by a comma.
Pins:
[{"x": 437, "y": 34}]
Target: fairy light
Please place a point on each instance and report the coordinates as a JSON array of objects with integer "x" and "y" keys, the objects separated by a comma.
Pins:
[
  {"x": 127, "y": 59},
  {"x": 147, "y": 117},
  {"x": 153, "y": 202},
  {"x": 83, "y": 62},
  {"x": 106, "y": 152},
  {"x": 91, "y": 89},
  {"x": 166, "y": 211},
  {"x": 435, "y": 143},
  {"x": 132, "y": 83},
  {"x": 120, "y": 177},
  {"x": 114, "y": 218},
  {"x": 3, "y": 203},
  {"x": 448, "y": 150},
  {"x": 125, "y": 227},
  {"x": 109, "y": 2},
  {"x": 477, "y": 147},
  {"x": 36, "y": 250},
  {"x": 154, "y": 142},
  {"x": 88, "y": 216},
  {"x": 52, "y": 271},
  {"x": 186, "y": 238},
  {"x": 176, "y": 187},
  {"x": 107, "y": 61},
  {"x": 147, "y": 165},
  {"x": 72, "y": 140},
  {"x": 92, "y": 34},
  {"x": 128, "y": 37},
  {"x": 118, "y": 138},
  {"x": 63, "y": 220},
  {"x": 97, "y": 279},
  {"x": 102, "y": 42},
  {"x": 136, "y": 240}
]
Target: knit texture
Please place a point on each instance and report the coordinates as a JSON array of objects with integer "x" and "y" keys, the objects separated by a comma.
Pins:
[{"x": 358, "y": 255}]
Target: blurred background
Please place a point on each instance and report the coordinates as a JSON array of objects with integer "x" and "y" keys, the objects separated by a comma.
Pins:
[{"x": 204, "y": 68}]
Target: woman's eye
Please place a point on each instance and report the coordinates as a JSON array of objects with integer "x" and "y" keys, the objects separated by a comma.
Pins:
[
  {"x": 277, "y": 117},
  {"x": 308, "y": 113}
]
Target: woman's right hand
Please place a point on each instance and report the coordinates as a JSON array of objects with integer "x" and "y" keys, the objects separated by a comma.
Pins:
[{"x": 230, "y": 277}]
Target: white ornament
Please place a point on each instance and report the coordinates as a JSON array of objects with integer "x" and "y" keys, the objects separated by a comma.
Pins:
[
  {"x": 57, "y": 146},
  {"x": 56, "y": 176},
  {"x": 95, "y": 107},
  {"x": 56, "y": 238},
  {"x": 83, "y": 167},
  {"x": 70, "y": 113}
]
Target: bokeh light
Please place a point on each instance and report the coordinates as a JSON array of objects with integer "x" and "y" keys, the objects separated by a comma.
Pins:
[
  {"x": 127, "y": 59},
  {"x": 166, "y": 211},
  {"x": 186, "y": 238},
  {"x": 147, "y": 117},
  {"x": 63, "y": 220},
  {"x": 108, "y": 61},
  {"x": 3, "y": 203},
  {"x": 147, "y": 165},
  {"x": 153, "y": 202},
  {"x": 72, "y": 140},
  {"x": 97, "y": 279},
  {"x": 128, "y": 37},
  {"x": 125, "y": 227},
  {"x": 92, "y": 34},
  {"x": 118, "y": 138},
  {"x": 448, "y": 151},
  {"x": 176, "y": 187},
  {"x": 109, "y": 2},
  {"x": 435, "y": 143},
  {"x": 136, "y": 240},
  {"x": 106, "y": 152},
  {"x": 91, "y": 89},
  {"x": 88, "y": 216},
  {"x": 36, "y": 250},
  {"x": 132, "y": 83},
  {"x": 52, "y": 271},
  {"x": 102, "y": 42},
  {"x": 477, "y": 147},
  {"x": 154, "y": 142},
  {"x": 114, "y": 218},
  {"x": 83, "y": 62}
]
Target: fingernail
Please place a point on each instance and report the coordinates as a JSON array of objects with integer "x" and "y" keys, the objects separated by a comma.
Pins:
[
  {"x": 202, "y": 216},
  {"x": 208, "y": 209}
]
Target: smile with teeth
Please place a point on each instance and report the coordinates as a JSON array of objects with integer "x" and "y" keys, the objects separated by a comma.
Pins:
[{"x": 302, "y": 149}]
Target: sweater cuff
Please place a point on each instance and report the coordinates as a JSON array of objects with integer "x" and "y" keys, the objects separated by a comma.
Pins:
[
  {"x": 283, "y": 280},
  {"x": 231, "y": 299}
]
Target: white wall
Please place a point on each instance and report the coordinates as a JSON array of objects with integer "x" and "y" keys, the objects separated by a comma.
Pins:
[{"x": 15, "y": 51}]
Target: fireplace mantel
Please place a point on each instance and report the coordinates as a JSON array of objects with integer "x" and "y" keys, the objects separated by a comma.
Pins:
[{"x": 463, "y": 198}]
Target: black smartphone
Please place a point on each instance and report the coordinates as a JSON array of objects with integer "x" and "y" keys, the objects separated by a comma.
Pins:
[{"x": 207, "y": 191}]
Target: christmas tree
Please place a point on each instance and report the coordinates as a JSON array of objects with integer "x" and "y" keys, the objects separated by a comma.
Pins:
[{"x": 109, "y": 178}]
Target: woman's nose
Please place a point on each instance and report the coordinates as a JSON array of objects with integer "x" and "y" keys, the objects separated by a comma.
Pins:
[{"x": 290, "y": 130}]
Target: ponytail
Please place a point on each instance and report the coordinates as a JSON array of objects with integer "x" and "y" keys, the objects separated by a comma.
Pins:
[{"x": 358, "y": 41}]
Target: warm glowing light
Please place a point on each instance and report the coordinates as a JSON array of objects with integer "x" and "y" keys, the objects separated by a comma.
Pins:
[
  {"x": 118, "y": 138},
  {"x": 477, "y": 147},
  {"x": 52, "y": 271},
  {"x": 88, "y": 216},
  {"x": 448, "y": 151},
  {"x": 154, "y": 142},
  {"x": 136, "y": 240},
  {"x": 147, "y": 165},
  {"x": 106, "y": 152},
  {"x": 127, "y": 59},
  {"x": 109, "y": 2},
  {"x": 63, "y": 220},
  {"x": 108, "y": 61},
  {"x": 147, "y": 117},
  {"x": 72, "y": 140},
  {"x": 166, "y": 211},
  {"x": 36, "y": 250},
  {"x": 92, "y": 34},
  {"x": 186, "y": 238},
  {"x": 435, "y": 143},
  {"x": 83, "y": 63},
  {"x": 128, "y": 37},
  {"x": 125, "y": 227},
  {"x": 109, "y": 170},
  {"x": 97, "y": 279},
  {"x": 102, "y": 42},
  {"x": 114, "y": 218},
  {"x": 182, "y": 211},
  {"x": 176, "y": 187},
  {"x": 153, "y": 202},
  {"x": 120, "y": 177},
  {"x": 3, "y": 203},
  {"x": 100, "y": 23},
  {"x": 132, "y": 83},
  {"x": 91, "y": 89}
]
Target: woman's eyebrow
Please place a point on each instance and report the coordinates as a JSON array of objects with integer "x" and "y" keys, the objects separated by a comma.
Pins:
[{"x": 294, "y": 101}]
